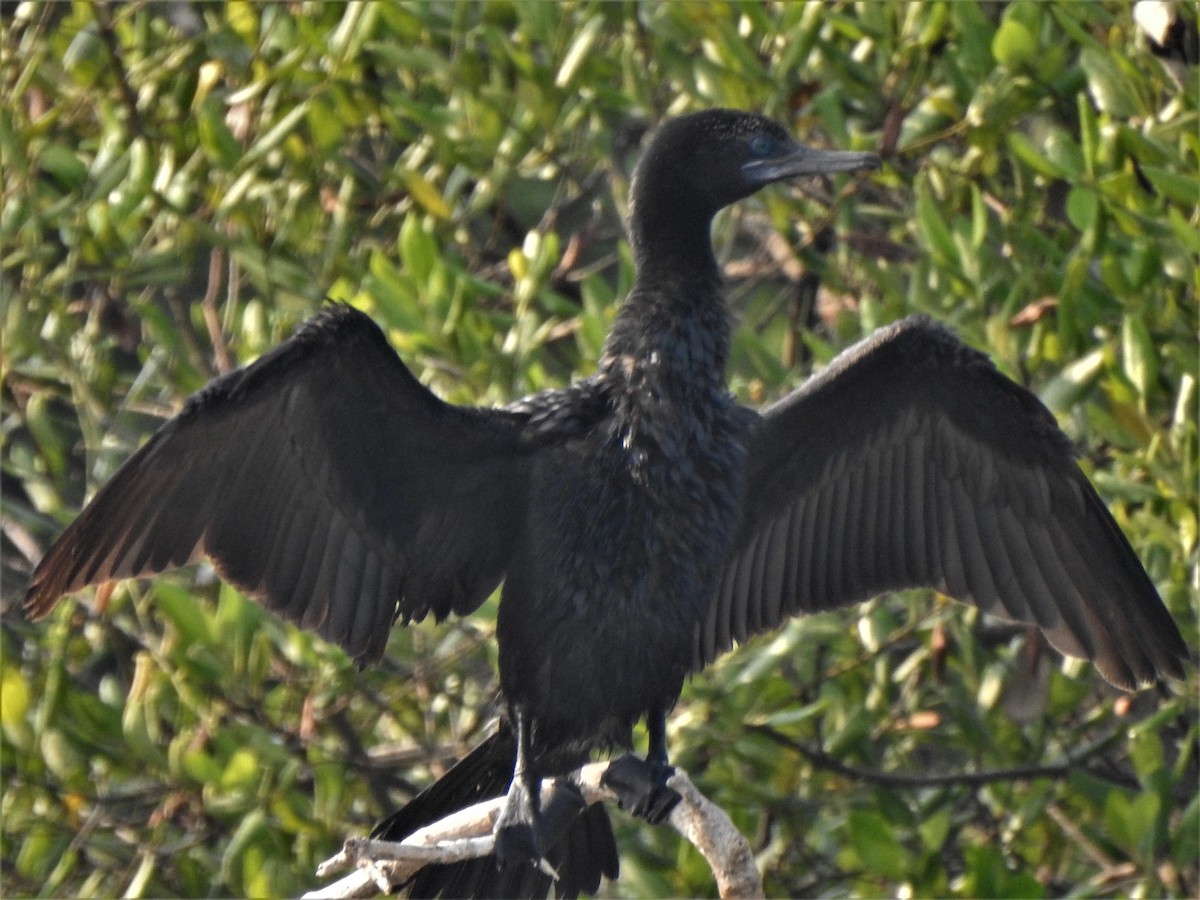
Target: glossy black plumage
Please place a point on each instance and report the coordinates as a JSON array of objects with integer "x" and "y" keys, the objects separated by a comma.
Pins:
[{"x": 641, "y": 520}]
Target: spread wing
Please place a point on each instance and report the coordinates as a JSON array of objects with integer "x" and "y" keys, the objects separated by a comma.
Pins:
[
  {"x": 910, "y": 461},
  {"x": 324, "y": 480}
]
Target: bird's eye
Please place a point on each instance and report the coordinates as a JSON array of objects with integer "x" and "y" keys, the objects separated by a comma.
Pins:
[{"x": 762, "y": 145}]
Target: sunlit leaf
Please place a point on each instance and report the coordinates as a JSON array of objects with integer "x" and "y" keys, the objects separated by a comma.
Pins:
[
  {"x": 1137, "y": 349},
  {"x": 1013, "y": 45},
  {"x": 1108, "y": 82},
  {"x": 14, "y": 698},
  {"x": 426, "y": 194}
]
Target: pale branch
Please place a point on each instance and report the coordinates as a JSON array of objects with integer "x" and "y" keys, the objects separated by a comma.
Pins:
[
  {"x": 710, "y": 830},
  {"x": 467, "y": 834}
]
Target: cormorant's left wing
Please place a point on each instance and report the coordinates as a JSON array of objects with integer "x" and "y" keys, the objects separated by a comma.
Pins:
[{"x": 912, "y": 462}]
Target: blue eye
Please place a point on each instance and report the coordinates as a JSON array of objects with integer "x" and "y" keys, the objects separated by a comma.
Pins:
[{"x": 762, "y": 145}]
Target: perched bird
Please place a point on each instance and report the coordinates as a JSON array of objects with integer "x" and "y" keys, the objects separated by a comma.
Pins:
[{"x": 641, "y": 520}]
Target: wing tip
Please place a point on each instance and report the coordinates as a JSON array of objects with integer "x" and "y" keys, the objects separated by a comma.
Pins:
[
  {"x": 1135, "y": 668},
  {"x": 38, "y": 603},
  {"x": 47, "y": 586}
]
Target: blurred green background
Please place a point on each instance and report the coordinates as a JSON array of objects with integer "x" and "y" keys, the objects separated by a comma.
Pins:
[{"x": 183, "y": 183}]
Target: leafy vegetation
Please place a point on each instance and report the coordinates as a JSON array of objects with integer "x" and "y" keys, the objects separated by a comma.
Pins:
[{"x": 184, "y": 183}]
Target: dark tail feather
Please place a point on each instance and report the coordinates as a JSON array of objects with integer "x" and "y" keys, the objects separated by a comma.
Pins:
[
  {"x": 587, "y": 851},
  {"x": 584, "y": 853},
  {"x": 482, "y": 774}
]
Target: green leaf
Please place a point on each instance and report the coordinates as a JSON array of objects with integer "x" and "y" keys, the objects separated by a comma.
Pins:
[
  {"x": 1067, "y": 389},
  {"x": 1146, "y": 751},
  {"x": 1082, "y": 206},
  {"x": 426, "y": 194},
  {"x": 1138, "y": 354},
  {"x": 1027, "y": 152},
  {"x": 215, "y": 137},
  {"x": 1063, "y": 152},
  {"x": 1187, "y": 835},
  {"x": 242, "y": 772},
  {"x": 85, "y": 55},
  {"x": 1108, "y": 83},
  {"x": 14, "y": 697},
  {"x": 1013, "y": 45},
  {"x": 935, "y": 233},
  {"x": 1132, "y": 821},
  {"x": 581, "y": 46},
  {"x": 1175, "y": 186},
  {"x": 873, "y": 841},
  {"x": 418, "y": 251},
  {"x": 935, "y": 829},
  {"x": 278, "y": 133},
  {"x": 326, "y": 123},
  {"x": 241, "y": 16},
  {"x": 39, "y": 851},
  {"x": 61, "y": 164},
  {"x": 988, "y": 876},
  {"x": 250, "y": 830},
  {"x": 176, "y": 604}
]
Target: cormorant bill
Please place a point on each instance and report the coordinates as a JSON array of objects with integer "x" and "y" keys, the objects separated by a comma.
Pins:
[{"x": 640, "y": 519}]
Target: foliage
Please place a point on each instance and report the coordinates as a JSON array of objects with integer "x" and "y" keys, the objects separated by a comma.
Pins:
[{"x": 184, "y": 183}]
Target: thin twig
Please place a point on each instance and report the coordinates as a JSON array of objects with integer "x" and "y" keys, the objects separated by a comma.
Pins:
[
  {"x": 216, "y": 262},
  {"x": 971, "y": 779}
]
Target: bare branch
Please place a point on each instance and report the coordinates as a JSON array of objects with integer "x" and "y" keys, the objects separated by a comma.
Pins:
[{"x": 707, "y": 827}]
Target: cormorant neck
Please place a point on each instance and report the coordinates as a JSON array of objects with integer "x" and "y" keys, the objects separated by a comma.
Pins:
[
  {"x": 674, "y": 318},
  {"x": 672, "y": 243}
]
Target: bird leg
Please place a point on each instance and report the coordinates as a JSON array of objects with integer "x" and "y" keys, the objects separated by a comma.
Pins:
[
  {"x": 641, "y": 785},
  {"x": 532, "y": 823},
  {"x": 517, "y": 826}
]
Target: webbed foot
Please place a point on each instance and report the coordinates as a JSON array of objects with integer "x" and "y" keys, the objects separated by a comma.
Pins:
[
  {"x": 525, "y": 829},
  {"x": 516, "y": 828},
  {"x": 641, "y": 787}
]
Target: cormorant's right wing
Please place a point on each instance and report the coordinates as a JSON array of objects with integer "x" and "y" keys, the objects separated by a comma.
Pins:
[{"x": 325, "y": 481}]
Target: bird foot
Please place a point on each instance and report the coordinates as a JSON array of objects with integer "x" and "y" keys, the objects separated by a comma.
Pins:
[
  {"x": 516, "y": 827},
  {"x": 641, "y": 787},
  {"x": 525, "y": 829}
]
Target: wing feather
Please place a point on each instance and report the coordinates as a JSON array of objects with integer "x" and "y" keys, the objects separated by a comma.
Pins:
[
  {"x": 839, "y": 541},
  {"x": 954, "y": 562},
  {"x": 899, "y": 554},
  {"x": 778, "y": 569},
  {"x": 915, "y": 500}
]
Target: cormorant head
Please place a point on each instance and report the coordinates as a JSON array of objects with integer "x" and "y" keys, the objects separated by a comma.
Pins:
[{"x": 699, "y": 163}]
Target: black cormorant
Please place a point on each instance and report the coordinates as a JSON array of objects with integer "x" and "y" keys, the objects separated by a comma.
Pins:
[{"x": 641, "y": 520}]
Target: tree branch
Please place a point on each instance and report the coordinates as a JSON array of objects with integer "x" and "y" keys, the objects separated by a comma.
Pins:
[
  {"x": 970, "y": 779},
  {"x": 383, "y": 865}
]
